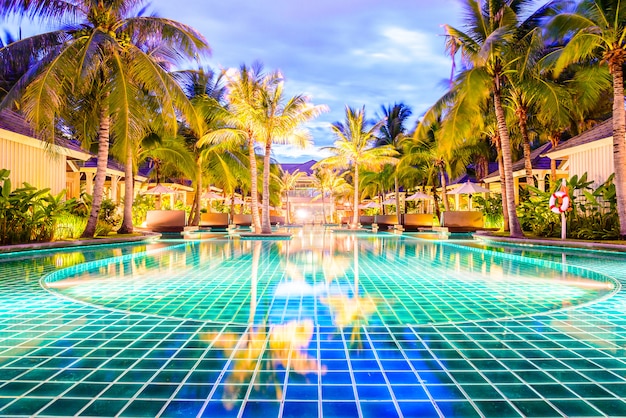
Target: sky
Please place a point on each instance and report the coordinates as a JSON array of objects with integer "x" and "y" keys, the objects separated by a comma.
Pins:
[{"x": 339, "y": 52}]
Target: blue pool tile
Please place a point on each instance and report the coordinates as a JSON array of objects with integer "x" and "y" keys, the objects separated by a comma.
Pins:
[
  {"x": 379, "y": 409},
  {"x": 340, "y": 410},
  {"x": 183, "y": 409}
]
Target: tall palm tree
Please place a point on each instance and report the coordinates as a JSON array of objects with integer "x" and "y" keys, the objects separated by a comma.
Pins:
[
  {"x": 487, "y": 46},
  {"x": 332, "y": 182},
  {"x": 287, "y": 182},
  {"x": 393, "y": 132},
  {"x": 354, "y": 149},
  {"x": 102, "y": 51}
]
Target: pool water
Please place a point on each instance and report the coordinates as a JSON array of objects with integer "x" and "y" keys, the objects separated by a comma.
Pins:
[{"x": 325, "y": 324}]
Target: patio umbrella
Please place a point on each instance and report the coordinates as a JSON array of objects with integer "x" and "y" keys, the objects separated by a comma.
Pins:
[
  {"x": 159, "y": 189},
  {"x": 391, "y": 201},
  {"x": 212, "y": 195},
  {"x": 469, "y": 188},
  {"x": 419, "y": 195},
  {"x": 238, "y": 201},
  {"x": 368, "y": 205}
]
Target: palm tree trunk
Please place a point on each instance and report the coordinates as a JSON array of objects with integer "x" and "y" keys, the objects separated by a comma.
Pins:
[
  {"x": 397, "y": 190},
  {"x": 619, "y": 143},
  {"x": 287, "y": 217},
  {"x": 195, "y": 221},
  {"x": 355, "y": 208},
  {"x": 323, "y": 207},
  {"x": 444, "y": 187},
  {"x": 254, "y": 193},
  {"x": 266, "y": 226},
  {"x": 101, "y": 170},
  {"x": 505, "y": 211},
  {"x": 528, "y": 165},
  {"x": 554, "y": 140},
  {"x": 505, "y": 142},
  {"x": 129, "y": 195}
]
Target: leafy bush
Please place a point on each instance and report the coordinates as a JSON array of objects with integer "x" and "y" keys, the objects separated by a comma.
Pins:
[
  {"x": 491, "y": 207},
  {"x": 592, "y": 214},
  {"x": 28, "y": 214},
  {"x": 141, "y": 205},
  {"x": 70, "y": 226},
  {"x": 109, "y": 218}
]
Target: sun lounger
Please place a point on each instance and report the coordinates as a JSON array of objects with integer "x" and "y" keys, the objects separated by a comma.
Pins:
[
  {"x": 462, "y": 221},
  {"x": 365, "y": 220},
  {"x": 242, "y": 220},
  {"x": 165, "y": 220},
  {"x": 214, "y": 220},
  {"x": 418, "y": 221},
  {"x": 386, "y": 221}
]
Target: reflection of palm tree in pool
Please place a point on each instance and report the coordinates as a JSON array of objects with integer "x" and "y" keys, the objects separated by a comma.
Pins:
[
  {"x": 351, "y": 311},
  {"x": 264, "y": 347}
]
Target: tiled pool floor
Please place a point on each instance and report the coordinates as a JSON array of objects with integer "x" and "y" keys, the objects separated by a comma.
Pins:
[{"x": 110, "y": 354}]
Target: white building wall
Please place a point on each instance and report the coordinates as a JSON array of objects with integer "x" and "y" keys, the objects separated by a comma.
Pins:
[
  {"x": 596, "y": 162},
  {"x": 38, "y": 167}
]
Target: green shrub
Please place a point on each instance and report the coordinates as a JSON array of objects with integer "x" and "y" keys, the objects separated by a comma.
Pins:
[
  {"x": 491, "y": 207},
  {"x": 141, "y": 205},
  {"x": 70, "y": 226},
  {"x": 592, "y": 214},
  {"x": 28, "y": 214}
]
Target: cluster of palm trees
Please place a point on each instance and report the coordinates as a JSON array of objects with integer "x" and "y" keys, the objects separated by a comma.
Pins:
[
  {"x": 526, "y": 75},
  {"x": 107, "y": 77},
  {"x": 540, "y": 72}
]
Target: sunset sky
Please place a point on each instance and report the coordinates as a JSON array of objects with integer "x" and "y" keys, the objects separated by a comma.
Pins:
[{"x": 340, "y": 52}]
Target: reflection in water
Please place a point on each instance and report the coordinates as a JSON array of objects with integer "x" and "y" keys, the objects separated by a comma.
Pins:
[{"x": 268, "y": 347}]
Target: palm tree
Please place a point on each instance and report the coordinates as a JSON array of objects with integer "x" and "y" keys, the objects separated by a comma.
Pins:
[
  {"x": 103, "y": 51},
  {"x": 597, "y": 33},
  {"x": 287, "y": 182},
  {"x": 271, "y": 118},
  {"x": 332, "y": 182},
  {"x": 487, "y": 45},
  {"x": 354, "y": 148},
  {"x": 393, "y": 132}
]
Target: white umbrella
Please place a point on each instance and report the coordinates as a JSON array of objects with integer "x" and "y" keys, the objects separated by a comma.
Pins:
[
  {"x": 212, "y": 195},
  {"x": 391, "y": 201},
  {"x": 469, "y": 188},
  {"x": 238, "y": 201},
  {"x": 368, "y": 205},
  {"x": 419, "y": 195},
  {"x": 159, "y": 189}
]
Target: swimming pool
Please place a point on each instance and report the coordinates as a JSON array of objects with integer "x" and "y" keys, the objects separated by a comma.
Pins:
[{"x": 325, "y": 324}]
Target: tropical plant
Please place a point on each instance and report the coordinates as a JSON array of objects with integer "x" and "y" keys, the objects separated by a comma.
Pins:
[
  {"x": 393, "y": 132},
  {"x": 271, "y": 118},
  {"x": 28, "y": 214},
  {"x": 287, "y": 182},
  {"x": 354, "y": 149},
  {"x": 104, "y": 54},
  {"x": 596, "y": 33},
  {"x": 488, "y": 47}
]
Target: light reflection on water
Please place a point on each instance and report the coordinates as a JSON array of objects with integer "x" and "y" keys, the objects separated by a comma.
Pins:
[{"x": 331, "y": 279}]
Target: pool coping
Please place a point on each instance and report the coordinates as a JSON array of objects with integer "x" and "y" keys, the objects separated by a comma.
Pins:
[
  {"x": 488, "y": 236},
  {"x": 33, "y": 246}
]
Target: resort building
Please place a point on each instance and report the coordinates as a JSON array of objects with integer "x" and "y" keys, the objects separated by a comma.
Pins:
[
  {"x": 590, "y": 152},
  {"x": 38, "y": 163},
  {"x": 541, "y": 171}
]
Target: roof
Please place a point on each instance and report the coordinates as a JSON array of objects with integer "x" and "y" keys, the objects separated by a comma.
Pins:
[
  {"x": 306, "y": 167},
  {"x": 14, "y": 122},
  {"x": 600, "y": 131},
  {"x": 537, "y": 158}
]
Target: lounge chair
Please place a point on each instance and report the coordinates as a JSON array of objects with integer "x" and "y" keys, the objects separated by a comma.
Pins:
[
  {"x": 462, "y": 221},
  {"x": 214, "y": 220},
  {"x": 242, "y": 220},
  {"x": 386, "y": 221},
  {"x": 165, "y": 220},
  {"x": 365, "y": 220},
  {"x": 418, "y": 221}
]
